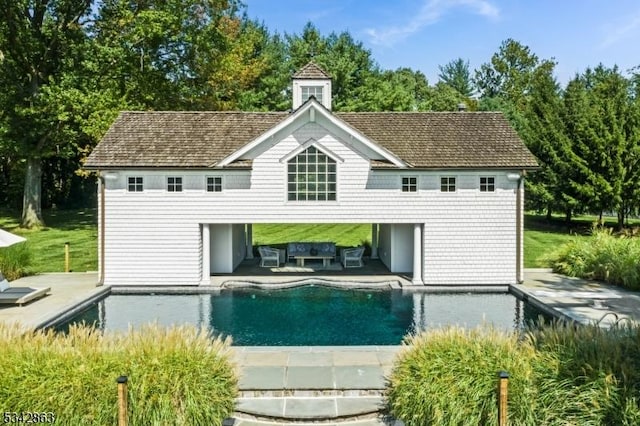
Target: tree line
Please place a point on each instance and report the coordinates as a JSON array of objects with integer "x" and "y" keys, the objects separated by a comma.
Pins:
[{"x": 67, "y": 67}]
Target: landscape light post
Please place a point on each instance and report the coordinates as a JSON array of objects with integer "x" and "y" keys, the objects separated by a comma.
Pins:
[
  {"x": 503, "y": 384},
  {"x": 67, "y": 256},
  {"x": 122, "y": 400}
]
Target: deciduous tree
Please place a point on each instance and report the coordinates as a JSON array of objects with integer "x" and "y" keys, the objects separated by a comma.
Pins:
[
  {"x": 41, "y": 41},
  {"x": 509, "y": 74}
]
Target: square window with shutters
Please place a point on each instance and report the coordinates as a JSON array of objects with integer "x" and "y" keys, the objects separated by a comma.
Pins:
[
  {"x": 448, "y": 184},
  {"x": 214, "y": 183},
  {"x": 135, "y": 184},
  {"x": 487, "y": 184},
  {"x": 409, "y": 184},
  {"x": 174, "y": 184}
]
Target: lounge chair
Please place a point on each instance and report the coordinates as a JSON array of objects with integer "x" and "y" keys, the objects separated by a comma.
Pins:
[
  {"x": 352, "y": 257},
  {"x": 269, "y": 255},
  {"x": 19, "y": 295}
]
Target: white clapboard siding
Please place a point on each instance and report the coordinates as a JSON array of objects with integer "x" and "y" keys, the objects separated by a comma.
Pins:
[{"x": 155, "y": 237}]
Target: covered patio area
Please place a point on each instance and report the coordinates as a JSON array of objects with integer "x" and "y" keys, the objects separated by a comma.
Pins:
[{"x": 274, "y": 250}]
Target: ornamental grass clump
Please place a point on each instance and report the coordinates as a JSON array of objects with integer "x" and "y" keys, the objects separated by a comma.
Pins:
[
  {"x": 603, "y": 256},
  {"x": 559, "y": 375},
  {"x": 449, "y": 377},
  {"x": 177, "y": 375},
  {"x": 15, "y": 261},
  {"x": 600, "y": 366}
]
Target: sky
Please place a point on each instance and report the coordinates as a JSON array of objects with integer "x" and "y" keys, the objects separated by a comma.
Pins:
[{"x": 423, "y": 34}]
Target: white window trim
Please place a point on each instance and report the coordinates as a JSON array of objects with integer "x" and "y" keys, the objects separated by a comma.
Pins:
[
  {"x": 311, "y": 142},
  {"x": 316, "y": 88},
  {"x": 286, "y": 177},
  {"x": 166, "y": 188},
  {"x": 417, "y": 184},
  {"x": 455, "y": 183},
  {"x": 487, "y": 177},
  {"x": 206, "y": 184},
  {"x": 134, "y": 177}
]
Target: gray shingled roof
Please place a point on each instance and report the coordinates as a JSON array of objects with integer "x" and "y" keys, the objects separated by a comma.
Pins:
[
  {"x": 178, "y": 139},
  {"x": 430, "y": 140},
  {"x": 445, "y": 139},
  {"x": 311, "y": 71}
]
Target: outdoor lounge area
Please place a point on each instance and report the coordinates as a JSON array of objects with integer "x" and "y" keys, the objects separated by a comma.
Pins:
[
  {"x": 370, "y": 267},
  {"x": 309, "y": 256}
]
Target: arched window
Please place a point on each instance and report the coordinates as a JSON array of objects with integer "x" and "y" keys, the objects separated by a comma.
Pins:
[{"x": 311, "y": 176}]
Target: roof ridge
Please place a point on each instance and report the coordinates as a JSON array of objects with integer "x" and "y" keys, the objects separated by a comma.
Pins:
[
  {"x": 333, "y": 112},
  {"x": 203, "y": 112},
  {"x": 418, "y": 112}
]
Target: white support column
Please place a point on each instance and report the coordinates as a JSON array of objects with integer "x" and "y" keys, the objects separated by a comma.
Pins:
[
  {"x": 248, "y": 233},
  {"x": 206, "y": 253},
  {"x": 374, "y": 240},
  {"x": 417, "y": 254},
  {"x": 520, "y": 231}
]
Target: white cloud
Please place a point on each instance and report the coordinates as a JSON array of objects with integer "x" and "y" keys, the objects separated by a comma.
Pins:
[
  {"x": 430, "y": 13},
  {"x": 324, "y": 13},
  {"x": 621, "y": 32}
]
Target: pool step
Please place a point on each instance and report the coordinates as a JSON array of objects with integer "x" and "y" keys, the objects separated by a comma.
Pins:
[
  {"x": 312, "y": 386},
  {"x": 314, "y": 408}
]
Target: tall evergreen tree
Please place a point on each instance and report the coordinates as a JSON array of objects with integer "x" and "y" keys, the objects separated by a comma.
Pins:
[
  {"x": 347, "y": 61},
  {"x": 456, "y": 74},
  {"x": 598, "y": 114},
  {"x": 546, "y": 136}
]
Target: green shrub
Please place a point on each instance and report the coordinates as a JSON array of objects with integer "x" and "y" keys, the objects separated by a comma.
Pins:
[
  {"x": 15, "y": 261},
  {"x": 558, "y": 376},
  {"x": 602, "y": 256},
  {"x": 177, "y": 376}
]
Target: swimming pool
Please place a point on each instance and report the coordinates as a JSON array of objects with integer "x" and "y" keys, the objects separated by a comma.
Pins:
[{"x": 308, "y": 315}]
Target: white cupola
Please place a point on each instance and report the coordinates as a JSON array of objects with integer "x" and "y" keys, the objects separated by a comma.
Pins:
[{"x": 309, "y": 81}]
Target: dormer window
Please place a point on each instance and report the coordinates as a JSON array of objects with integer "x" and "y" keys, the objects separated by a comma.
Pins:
[{"x": 309, "y": 91}]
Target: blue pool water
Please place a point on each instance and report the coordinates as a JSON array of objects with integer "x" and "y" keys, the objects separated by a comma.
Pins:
[{"x": 309, "y": 315}]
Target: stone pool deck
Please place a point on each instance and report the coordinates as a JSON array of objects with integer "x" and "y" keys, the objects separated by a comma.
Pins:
[
  {"x": 68, "y": 291},
  {"x": 572, "y": 298},
  {"x": 330, "y": 385},
  {"x": 579, "y": 300}
]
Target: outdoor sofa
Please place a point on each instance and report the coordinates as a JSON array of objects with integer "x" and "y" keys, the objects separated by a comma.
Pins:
[{"x": 313, "y": 249}]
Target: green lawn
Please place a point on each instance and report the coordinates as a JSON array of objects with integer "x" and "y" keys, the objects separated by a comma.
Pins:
[
  {"x": 79, "y": 228},
  {"x": 538, "y": 244},
  {"x": 542, "y": 237},
  {"x": 344, "y": 235}
]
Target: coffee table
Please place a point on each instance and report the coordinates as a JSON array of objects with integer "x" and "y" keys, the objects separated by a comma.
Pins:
[{"x": 326, "y": 260}]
